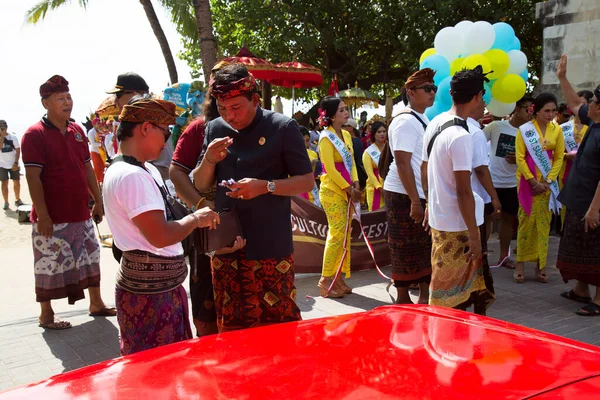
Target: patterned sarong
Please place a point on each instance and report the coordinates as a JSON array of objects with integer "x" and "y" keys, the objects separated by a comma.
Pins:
[
  {"x": 456, "y": 281},
  {"x": 579, "y": 251},
  {"x": 151, "y": 320},
  {"x": 66, "y": 263},
  {"x": 410, "y": 244},
  {"x": 251, "y": 293}
]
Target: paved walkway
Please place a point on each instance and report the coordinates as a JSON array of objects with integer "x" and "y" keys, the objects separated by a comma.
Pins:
[{"x": 28, "y": 353}]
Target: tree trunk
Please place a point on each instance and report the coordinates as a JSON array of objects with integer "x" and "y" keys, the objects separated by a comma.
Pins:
[
  {"x": 208, "y": 43},
  {"x": 266, "y": 94},
  {"x": 162, "y": 39}
]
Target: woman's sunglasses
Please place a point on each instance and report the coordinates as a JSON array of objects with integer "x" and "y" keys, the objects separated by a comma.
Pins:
[{"x": 427, "y": 88}]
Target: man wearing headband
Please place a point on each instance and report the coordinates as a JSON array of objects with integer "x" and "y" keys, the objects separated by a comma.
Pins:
[
  {"x": 404, "y": 196},
  {"x": 60, "y": 179},
  {"x": 264, "y": 153},
  {"x": 454, "y": 211},
  {"x": 153, "y": 266},
  {"x": 579, "y": 250}
]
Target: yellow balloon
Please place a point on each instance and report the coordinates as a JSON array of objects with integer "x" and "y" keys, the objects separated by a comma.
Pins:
[
  {"x": 499, "y": 62},
  {"x": 426, "y": 54},
  {"x": 509, "y": 88},
  {"x": 456, "y": 66},
  {"x": 474, "y": 60}
]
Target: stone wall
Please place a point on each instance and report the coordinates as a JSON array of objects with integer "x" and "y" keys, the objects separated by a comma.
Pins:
[{"x": 571, "y": 27}]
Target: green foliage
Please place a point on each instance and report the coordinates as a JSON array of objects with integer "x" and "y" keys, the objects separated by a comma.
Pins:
[{"x": 38, "y": 12}]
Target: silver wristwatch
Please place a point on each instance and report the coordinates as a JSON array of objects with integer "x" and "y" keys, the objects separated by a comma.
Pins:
[{"x": 270, "y": 187}]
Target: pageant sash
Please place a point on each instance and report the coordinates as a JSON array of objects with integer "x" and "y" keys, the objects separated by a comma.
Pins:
[
  {"x": 315, "y": 194},
  {"x": 374, "y": 152},
  {"x": 341, "y": 148},
  {"x": 542, "y": 160},
  {"x": 568, "y": 129}
]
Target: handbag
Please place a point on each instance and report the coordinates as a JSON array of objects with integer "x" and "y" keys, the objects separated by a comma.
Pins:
[{"x": 209, "y": 240}]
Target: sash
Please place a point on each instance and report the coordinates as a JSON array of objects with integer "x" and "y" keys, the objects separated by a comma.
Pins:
[
  {"x": 568, "y": 129},
  {"x": 536, "y": 156},
  {"x": 315, "y": 194},
  {"x": 375, "y": 155},
  {"x": 374, "y": 152}
]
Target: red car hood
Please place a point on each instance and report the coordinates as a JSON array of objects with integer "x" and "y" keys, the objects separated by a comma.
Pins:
[{"x": 408, "y": 352}]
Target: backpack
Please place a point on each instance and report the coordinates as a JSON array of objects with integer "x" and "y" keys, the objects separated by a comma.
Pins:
[
  {"x": 453, "y": 122},
  {"x": 386, "y": 153}
]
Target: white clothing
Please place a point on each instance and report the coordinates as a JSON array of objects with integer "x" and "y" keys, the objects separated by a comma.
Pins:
[
  {"x": 108, "y": 145},
  {"x": 94, "y": 141},
  {"x": 129, "y": 191},
  {"x": 406, "y": 134},
  {"x": 9, "y": 153},
  {"x": 504, "y": 175},
  {"x": 452, "y": 151},
  {"x": 480, "y": 157}
]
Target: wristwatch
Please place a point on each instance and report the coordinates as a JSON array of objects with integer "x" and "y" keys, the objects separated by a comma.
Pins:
[
  {"x": 270, "y": 187},
  {"x": 549, "y": 181}
]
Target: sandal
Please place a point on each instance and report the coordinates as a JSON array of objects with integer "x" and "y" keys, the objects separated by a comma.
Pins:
[
  {"x": 56, "y": 324},
  {"x": 571, "y": 295},
  {"x": 591, "y": 310},
  {"x": 519, "y": 277},
  {"x": 541, "y": 276},
  {"x": 508, "y": 263},
  {"x": 335, "y": 292},
  {"x": 104, "y": 312}
]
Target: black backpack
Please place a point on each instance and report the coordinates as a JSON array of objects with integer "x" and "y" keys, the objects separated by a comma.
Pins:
[{"x": 386, "y": 153}]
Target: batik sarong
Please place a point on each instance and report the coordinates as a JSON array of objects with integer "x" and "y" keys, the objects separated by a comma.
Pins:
[
  {"x": 251, "y": 293},
  {"x": 456, "y": 280},
  {"x": 410, "y": 244},
  {"x": 66, "y": 263},
  {"x": 152, "y": 306},
  {"x": 579, "y": 251}
]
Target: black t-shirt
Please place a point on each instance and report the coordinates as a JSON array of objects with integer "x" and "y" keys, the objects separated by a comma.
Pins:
[
  {"x": 579, "y": 191},
  {"x": 271, "y": 148}
]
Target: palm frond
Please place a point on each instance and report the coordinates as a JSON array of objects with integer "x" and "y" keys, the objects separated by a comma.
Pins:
[{"x": 38, "y": 12}]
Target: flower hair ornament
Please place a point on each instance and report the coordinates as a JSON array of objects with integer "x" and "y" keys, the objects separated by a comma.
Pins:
[
  {"x": 323, "y": 120},
  {"x": 531, "y": 109}
]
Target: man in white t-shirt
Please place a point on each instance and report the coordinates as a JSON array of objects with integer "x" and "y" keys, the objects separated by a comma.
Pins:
[
  {"x": 410, "y": 245},
  {"x": 9, "y": 164},
  {"x": 503, "y": 169},
  {"x": 454, "y": 211}
]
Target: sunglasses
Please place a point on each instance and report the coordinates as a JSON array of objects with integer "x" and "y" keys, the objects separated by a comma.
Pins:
[
  {"x": 427, "y": 88},
  {"x": 166, "y": 132}
]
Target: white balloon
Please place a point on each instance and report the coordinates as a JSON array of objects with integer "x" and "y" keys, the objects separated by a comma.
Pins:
[
  {"x": 478, "y": 38},
  {"x": 448, "y": 43},
  {"x": 463, "y": 25},
  {"x": 518, "y": 62},
  {"x": 499, "y": 109}
]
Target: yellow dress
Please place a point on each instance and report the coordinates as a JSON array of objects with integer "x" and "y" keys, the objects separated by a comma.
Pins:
[
  {"x": 312, "y": 155},
  {"x": 334, "y": 201},
  {"x": 578, "y": 138},
  {"x": 534, "y": 229},
  {"x": 374, "y": 182}
]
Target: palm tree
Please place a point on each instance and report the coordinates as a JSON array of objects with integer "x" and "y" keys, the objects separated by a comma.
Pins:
[
  {"x": 206, "y": 39},
  {"x": 38, "y": 13}
]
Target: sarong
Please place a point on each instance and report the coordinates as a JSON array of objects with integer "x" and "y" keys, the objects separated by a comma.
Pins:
[
  {"x": 410, "y": 244},
  {"x": 153, "y": 319},
  {"x": 251, "y": 293},
  {"x": 336, "y": 210},
  {"x": 534, "y": 231},
  {"x": 482, "y": 303},
  {"x": 66, "y": 263},
  {"x": 456, "y": 281},
  {"x": 201, "y": 290},
  {"x": 579, "y": 251},
  {"x": 99, "y": 166}
]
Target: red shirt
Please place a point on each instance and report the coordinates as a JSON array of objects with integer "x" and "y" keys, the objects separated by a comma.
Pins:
[
  {"x": 189, "y": 145},
  {"x": 63, "y": 161}
]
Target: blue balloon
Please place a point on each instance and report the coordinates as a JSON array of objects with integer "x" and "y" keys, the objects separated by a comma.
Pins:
[
  {"x": 516, "y": 44},
  {"x": 439, "y": 64},
  {"x": 524, "y": 75},
  {"x": 487, "y": 97},
  {"x": 505, "y": 36},
  {"x": 443, "y": 94},
  {"x": 432, "y": 111}
]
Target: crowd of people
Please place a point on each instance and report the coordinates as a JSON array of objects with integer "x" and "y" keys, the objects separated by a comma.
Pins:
[{"x": 443, "y": 184}]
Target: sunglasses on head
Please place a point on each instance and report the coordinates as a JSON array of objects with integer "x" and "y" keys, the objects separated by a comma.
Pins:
[
  {"x": 166, "y": 132},
  {"x": 427, "y": 88}
]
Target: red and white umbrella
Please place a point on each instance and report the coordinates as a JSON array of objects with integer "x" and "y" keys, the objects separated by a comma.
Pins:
[
  {"x": 260, "y": 68},
  {"x": 296, "y": 75}
]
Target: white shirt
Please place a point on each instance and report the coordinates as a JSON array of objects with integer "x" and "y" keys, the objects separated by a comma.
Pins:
[
  {"x": 406, "y": 134},
  {"x": 452, "y": 151},
  {"x": 9, "y": 154},
  {"x": 108, "y": 145},
  {"x": 94, "y": 142},
  {"x": 129, "y": 191},
  {"x": 480, "y": 157},
  {"x": 504, "y": 175}
]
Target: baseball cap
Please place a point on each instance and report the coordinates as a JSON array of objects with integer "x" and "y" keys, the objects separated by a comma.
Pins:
[
  {"x": 351, "y": 122},
  {"x": 129, "y": 81}
]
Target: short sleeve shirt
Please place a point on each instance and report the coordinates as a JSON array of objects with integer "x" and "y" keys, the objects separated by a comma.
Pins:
[
  {"x": 63, "y": 160},
  {"x": 8, "y": 154},
  {"x": 504, "y": 174},
  {"x": 480, "y": 158},
  {"x": 270, "y": 148},
  {"x": 189, "y": 145},
  {"x": 580, "y": 188}
]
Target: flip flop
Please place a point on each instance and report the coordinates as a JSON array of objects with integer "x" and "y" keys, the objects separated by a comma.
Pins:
[
  {"x": 571, "y": 295},
  {"x": 105, "y": 312},
  {"x": 57, "y": 325},
  {"x": 591, "y": 310},
  {"x": 508, "y": 263}
]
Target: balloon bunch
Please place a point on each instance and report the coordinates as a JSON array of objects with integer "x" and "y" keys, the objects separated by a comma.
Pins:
[{"x": 468, "y": 44}]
